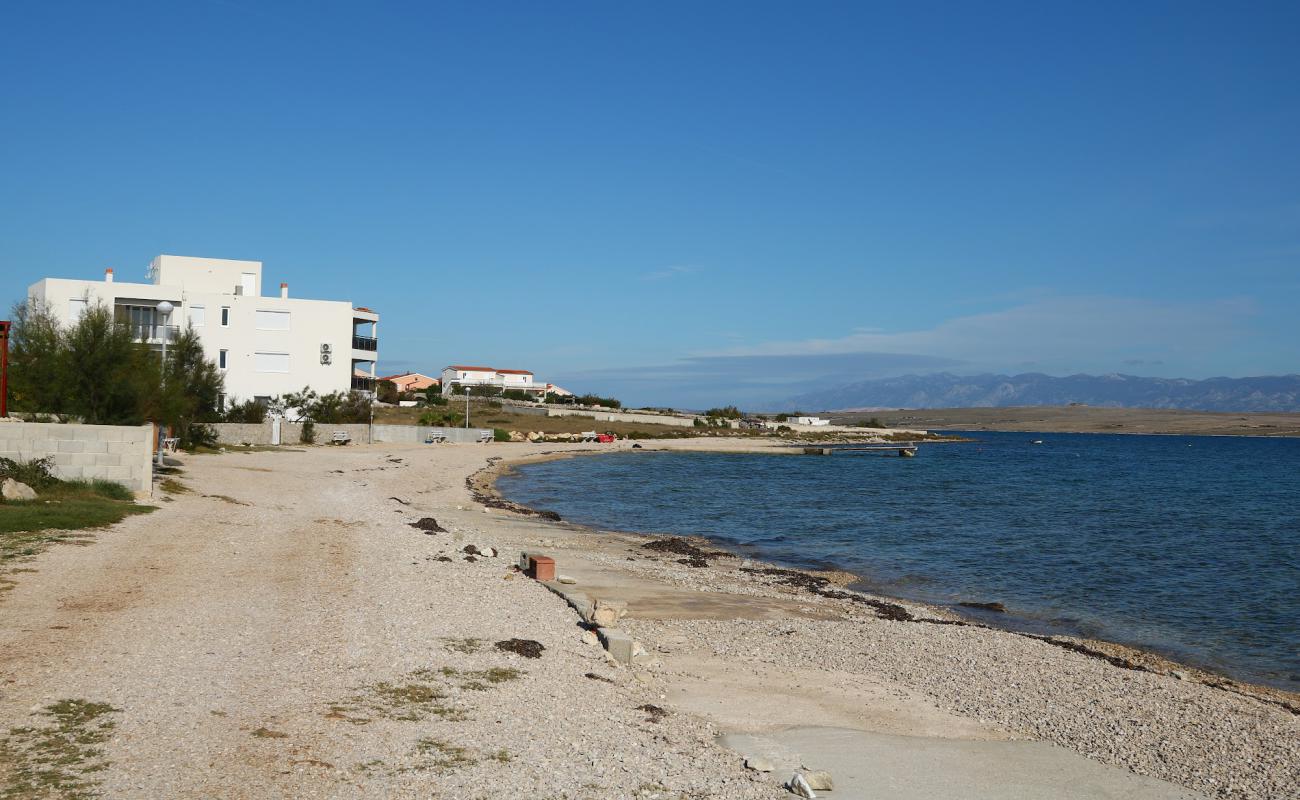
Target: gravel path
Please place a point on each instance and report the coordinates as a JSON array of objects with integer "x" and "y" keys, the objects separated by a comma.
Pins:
[{"x": 292, "y": 636}]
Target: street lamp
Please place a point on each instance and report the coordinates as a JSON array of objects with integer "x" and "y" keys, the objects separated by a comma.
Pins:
[
  {"x": 467, "y": 408},
  {"x": 164, "y": 308}
]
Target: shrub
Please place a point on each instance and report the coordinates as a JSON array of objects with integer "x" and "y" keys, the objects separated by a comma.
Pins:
[
  {"x": 249, "y": 411},
  {"x": 386, "y": 392},
  {"x": 726, "y": 412},
  {"x": 596, "y": 400},
  {"x": 442, "y": 419},
  {"x": 699, "y": 423},
  {"x": 308, "y": 435},
  {"x": 36, "y": 473},
  {"x": 874, "y": 422},
  {"x": 515, "y": 394},
  {"x": 499, "y": 435},
  {"x": 434, "y": 397},
  {"x": 195, "y": 436}
]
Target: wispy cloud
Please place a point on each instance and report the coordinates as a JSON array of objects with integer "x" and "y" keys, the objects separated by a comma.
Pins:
[{"x": 669, "y": 272}]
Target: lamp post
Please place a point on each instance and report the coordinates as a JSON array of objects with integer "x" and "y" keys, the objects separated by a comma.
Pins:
[
  {"x": 164, "y": 308},
  {"x": 467, "y": 408},
  {"x": 4, "y": 368}
]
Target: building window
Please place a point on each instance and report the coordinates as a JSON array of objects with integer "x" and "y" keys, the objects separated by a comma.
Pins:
[
  {"x": 221, "y": 359},
  {"x": 225, "y": 316},
  {"x": 221, "y": 398},
  {"x": 273, "y": 320},
  {"x": 271, "y": 362},
  {"x": 198, "y": 316}
]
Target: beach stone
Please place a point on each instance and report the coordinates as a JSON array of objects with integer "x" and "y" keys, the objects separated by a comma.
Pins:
[
  {"x": 565, "y": 579},
  {"x": 759, "y": 764},
  {"x": 798, "y": 786},
  {"x": 15, "y": 490},
  {"x": 819, "y": 780},
  {"x": 590, "y": 637}
]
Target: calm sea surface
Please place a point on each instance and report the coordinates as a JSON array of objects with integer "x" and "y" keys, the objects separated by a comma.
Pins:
[{"x": 1185, "y": 545}]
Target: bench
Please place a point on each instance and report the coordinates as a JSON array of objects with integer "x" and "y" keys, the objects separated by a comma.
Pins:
[
  {"x": 171, "y": 443},
  {"x": 340, "y": 437},
  {"x": 588, "y": 436},
  {"x": 435, "y": 438},
  {"x": 486, "y": 436}
]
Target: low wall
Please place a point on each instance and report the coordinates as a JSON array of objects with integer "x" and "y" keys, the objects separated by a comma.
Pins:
[
  {"x": 121, "y": 453},
  {"x": 622, "y": 416},
  {"x": 418, "y": 434},
  {"x": 239, "y": 433}
]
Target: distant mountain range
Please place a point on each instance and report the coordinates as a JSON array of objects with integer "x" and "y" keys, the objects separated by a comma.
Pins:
[{"x": 944, "y": 390}]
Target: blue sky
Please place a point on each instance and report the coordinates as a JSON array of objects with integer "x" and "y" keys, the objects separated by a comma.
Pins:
[{"x": 689, "y": 203}]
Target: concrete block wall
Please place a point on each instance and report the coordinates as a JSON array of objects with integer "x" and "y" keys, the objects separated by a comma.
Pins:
[
  {"x": 239, "y": 433},
  {"x": 121, "y": 453},
  {"x": 417, "y": 434}
]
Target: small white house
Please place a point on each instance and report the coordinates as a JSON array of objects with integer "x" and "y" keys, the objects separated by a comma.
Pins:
[
  {"x": 459, "y": 376},
  {"x": 817, "y": 421}
]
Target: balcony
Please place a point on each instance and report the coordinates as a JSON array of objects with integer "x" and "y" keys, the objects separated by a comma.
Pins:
[
  {"x": 360, "y": 384},
  {"x": 367, "y": 343},
  {"x": 150, "y": 333}
]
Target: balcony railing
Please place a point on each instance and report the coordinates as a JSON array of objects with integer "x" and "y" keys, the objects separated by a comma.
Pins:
[
  {"x": 360, "y": 384},
  {"x": 364, "y": 343},
  {"x": 151, "y": 333}
]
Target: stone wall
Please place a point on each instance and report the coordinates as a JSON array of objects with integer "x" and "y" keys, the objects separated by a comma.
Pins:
[{"x": 121, "y": 453}]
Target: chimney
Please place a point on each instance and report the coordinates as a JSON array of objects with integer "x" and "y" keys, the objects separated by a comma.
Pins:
[
  {"x": 284, "y": 291},
  {"x": 108, "y": 275}
]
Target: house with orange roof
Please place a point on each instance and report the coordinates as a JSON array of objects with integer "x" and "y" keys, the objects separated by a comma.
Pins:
[{"x": 410, "y": 381}]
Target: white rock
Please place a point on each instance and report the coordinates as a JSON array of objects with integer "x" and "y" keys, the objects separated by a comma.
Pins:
[
  {"x": 567, "y": 579},
  {"x": 13, "y": 490},
  {"x": 590, "y": 637},
  {"x": 799, "y": 785},
  {"x": 819, "y": 780}
]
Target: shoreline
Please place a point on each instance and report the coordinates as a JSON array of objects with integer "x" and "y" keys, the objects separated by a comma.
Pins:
[{"x": 483, "y": 490}]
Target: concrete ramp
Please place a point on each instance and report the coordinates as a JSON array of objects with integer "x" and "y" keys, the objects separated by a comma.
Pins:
[{"x": 880, "y": 766}]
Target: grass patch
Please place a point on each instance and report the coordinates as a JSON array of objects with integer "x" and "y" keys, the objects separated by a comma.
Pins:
[
  {"x": 267, "y": 733},
  {"x": 421, "y": 694},
  {"x": 439, "y": 756},
  {"x": 173, "y": 486},
  {"x": 468, "y": 646},
  {"x": 59, "y": 758}
]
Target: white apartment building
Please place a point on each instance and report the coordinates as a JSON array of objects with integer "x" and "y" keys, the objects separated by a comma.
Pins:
[
  {"x": 462, "y": 376},
  {"x": 265, "y": 346}
]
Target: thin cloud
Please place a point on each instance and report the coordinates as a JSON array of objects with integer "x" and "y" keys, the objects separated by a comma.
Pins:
[{"x": 667, "y": 273}]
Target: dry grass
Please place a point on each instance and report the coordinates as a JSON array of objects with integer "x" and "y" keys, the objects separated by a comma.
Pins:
[{"x": 58, "y": 759}]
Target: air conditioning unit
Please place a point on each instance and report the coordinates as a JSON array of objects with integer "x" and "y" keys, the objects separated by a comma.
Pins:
[
  {"x": 325, "y": 358},
  {"x": 326, "y": 349}
]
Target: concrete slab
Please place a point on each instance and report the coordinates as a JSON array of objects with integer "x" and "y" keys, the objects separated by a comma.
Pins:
[{"x": 883, "y": 766}]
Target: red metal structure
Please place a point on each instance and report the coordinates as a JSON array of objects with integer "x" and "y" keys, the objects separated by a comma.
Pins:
[{"x": 4, "y": 368}]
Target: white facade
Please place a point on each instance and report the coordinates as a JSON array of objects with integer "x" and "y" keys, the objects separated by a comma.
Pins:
[
  {"x": 488, "y": 376},
  {"x": 265, "y": 346},
  {"x": 817, "y": 421}
]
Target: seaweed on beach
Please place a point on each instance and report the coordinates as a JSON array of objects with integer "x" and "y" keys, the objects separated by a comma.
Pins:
[
  {"x": 524, "y": 647},
  {"x": 682, "y": 547},
  {"x": 428, "y": 525},
  {"x": 818, "y": 585}
]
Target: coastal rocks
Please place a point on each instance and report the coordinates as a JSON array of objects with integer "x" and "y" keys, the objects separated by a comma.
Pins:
[
  {"x": 607, "y": 613},
  {"x": 819, "y": 780},
  {"x": 798, "y": 786},
  {"x": 759, "y": 764},
  {"x": 14, "y": 490}
]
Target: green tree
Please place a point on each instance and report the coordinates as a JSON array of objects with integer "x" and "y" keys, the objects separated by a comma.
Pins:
[
  {"x": 37, "y": 359},
  {"x": 107, "y": 377}
]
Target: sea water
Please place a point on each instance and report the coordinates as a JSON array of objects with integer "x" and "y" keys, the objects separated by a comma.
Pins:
[{"x": 1186, "y": 545}]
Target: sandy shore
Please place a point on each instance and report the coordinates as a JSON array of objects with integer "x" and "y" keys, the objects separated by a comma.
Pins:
[{"x": 283, "y": 631}]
